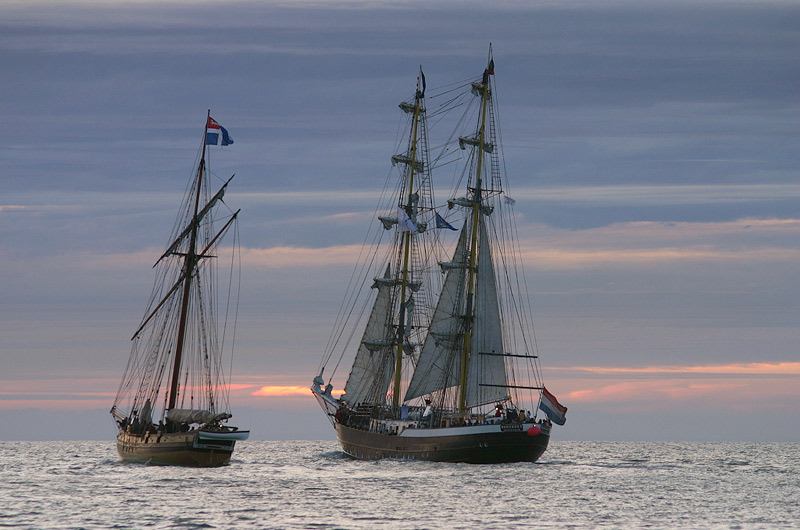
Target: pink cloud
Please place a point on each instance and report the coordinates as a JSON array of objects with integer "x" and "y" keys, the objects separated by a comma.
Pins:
[
  {"x": 586, "y": 257},
  {"x": 780, "y": 368},
  {"x": 742, "y": 394},
  {"x": 645, "y": 243},
  {"x": 287, "y": 257}
]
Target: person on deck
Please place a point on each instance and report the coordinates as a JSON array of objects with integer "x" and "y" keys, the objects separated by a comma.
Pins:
[{"x": 427, "y": 415}]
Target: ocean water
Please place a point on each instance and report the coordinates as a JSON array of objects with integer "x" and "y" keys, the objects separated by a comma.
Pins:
[{"x": 312, "y": 485}]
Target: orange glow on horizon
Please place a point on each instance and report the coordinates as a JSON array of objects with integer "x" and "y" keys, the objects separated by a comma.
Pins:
[{"x": 282, "y": 391}]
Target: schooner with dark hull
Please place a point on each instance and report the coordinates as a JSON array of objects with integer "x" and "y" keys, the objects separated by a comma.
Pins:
[
  {"x": 172, "y": 404},
  {"x": 446, "y": 369}
]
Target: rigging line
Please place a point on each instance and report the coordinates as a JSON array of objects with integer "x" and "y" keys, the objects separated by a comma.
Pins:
[
  {"x": 470, "y": 107},
  {"x": 348, "y": 303},
  {"x": 439, "y": 114},
  {"x": 358, "y": 266},
  {"x": 351, "y": 299},
  {"x": 235, "y": 260},
  {"x": 447, "y": 107},
  {"x": 513, "y": 222},
  {"x": 341, "y": 320},
  {"x": 353, "y": 328},
  {"x": 523, "y": 315},
  {"x": 444, "y": 90}
]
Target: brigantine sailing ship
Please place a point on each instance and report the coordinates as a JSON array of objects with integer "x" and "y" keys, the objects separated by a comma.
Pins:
[
  {"x": 172, "y": 404},
  {"x": 456, "y": 379}
]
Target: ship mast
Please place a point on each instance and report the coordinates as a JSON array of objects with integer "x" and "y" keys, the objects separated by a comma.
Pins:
[
  {"x": 189, "y": 266},
  {"x": 409, "y": 210},
  {"x": 472, "y": 263}
]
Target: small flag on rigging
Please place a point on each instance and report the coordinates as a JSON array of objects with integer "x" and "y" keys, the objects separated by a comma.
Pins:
[
  {"x": 510, "y": 201},
  {"x": 441, "y": 223},
  {"x": 554, "y": 410},
  {"x": 216, "y": 134},
  {"x": 489, "y": 71}
]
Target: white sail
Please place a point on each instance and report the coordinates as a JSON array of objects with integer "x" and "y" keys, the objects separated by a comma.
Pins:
[
  {"x": 487, "y": 334},
  {"x": 439, "y": 361},
  {"x": 373, "y": 367}
]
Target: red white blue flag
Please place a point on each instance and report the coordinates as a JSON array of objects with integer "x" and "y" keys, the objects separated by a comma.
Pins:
[
  {"x": 554, "y": 410},
  {"x": 216, "y": 134}
]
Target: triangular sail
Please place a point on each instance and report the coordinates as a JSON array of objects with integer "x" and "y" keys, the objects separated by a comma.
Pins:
[
  {"x": 438, "y": 363},
  {"x": 372, "y": 370},
  {"x": 486, "y": 381}
]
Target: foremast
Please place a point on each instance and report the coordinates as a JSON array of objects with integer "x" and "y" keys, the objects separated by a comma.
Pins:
[
  {"x": 399, "y": 313},
  {"x": 473, "y": 252},
  {"x": 407, "y": 240}
]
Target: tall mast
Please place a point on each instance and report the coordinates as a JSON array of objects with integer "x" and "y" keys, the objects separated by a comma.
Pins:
[
  {"x": 476, "y": 213},
  {"x": 401, "y": 329},
  {"x": 189, "y": 265}
]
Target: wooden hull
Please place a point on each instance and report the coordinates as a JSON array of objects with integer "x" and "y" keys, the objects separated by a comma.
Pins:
[
  {"x": 479, "y": 444},
  {"x": 177, "y": 449}
]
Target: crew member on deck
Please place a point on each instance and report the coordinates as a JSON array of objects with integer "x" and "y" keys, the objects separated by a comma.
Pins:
[{"x": 427, "y": 416}]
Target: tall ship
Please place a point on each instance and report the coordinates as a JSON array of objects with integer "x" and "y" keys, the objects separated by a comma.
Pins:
[
  {"x": 446, "y": 368},
  {"x": 172, "y": 406}
]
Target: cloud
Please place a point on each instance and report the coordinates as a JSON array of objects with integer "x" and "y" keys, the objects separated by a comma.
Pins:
[
  {"x": 54, "y": 404},
  {"x": 749, "y": 394},
  {"x": 747, "y": 387},
  {"x": 661, "y": 137},
  {"x": 661, "y": 194},
  {"x": 780, "y": 368},
  {"x": 57, "y": 394},
  {"x": 563, "y": 259},
  {"x": 632, "y": 244},
  {"x": 646, "y": 243},
  {"x": 294, "y": 257},
  {"x": 282, "y": 391}
]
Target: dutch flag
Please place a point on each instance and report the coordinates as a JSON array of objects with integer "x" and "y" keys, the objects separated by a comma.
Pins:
[
  {"x": 554, "y": 410},
  {"x": 216, "y": 134}
]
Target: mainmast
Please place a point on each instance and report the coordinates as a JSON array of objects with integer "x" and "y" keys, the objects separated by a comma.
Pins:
[
  {"x": 484, "y": 90},
  {"x": 409, "y": 210},
  {"x": 189, "y": 265}
]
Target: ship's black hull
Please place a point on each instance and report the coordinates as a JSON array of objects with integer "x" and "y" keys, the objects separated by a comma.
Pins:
[{"x": 474, "y": 445}]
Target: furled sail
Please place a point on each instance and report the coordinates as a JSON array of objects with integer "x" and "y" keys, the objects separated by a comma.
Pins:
[
  {"x": 372, "y": 370},
  {"x": 486, "y": 380},
  {"x": 196, "y": 416},
  {"x": 438, "y": 363}
]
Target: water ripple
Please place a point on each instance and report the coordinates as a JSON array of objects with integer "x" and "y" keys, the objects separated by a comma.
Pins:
[{"x": 301, "y": 485}]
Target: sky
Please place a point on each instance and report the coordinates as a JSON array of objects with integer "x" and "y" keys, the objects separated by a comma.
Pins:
[{"x": 651, "y": 147}]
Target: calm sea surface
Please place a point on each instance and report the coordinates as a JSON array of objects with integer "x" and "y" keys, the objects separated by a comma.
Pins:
[{"x": 288, "y": 485}]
